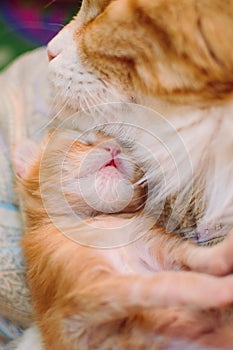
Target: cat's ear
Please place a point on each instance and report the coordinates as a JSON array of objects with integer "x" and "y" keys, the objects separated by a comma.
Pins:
[
  {"x": 24, "y": 155},
  {"x": 92, "y": 8}
]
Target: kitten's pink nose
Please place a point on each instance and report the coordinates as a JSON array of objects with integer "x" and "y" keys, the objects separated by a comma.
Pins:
[{"x": 112, "y": 147}]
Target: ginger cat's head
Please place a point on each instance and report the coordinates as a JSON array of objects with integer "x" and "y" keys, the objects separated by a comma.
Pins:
[
  {"x": 126, "y": 49},
  {"x": 90, "y": 178}
]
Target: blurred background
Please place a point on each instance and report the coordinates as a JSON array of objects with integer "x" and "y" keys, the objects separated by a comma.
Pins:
[{"x": 27, "y": 24}]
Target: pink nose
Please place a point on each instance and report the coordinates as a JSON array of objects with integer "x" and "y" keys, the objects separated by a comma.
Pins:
[
  {"x": 112, "y": 147},
  {"x": 51, "y": 56}
]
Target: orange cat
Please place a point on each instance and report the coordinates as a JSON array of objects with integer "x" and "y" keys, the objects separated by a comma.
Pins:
[
  {"x": 96, "y": 281},
  {"x": 142, "y": 48},
  {"x": 178, "y": 59}
]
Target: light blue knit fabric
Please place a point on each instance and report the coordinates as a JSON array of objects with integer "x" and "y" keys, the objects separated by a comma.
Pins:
[{"x": 24, "y": 100}]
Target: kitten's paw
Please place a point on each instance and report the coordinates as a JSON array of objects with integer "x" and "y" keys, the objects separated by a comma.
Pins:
[
  {"x": 217, "y": 260},
  {"x": 23, "y": 155},
  {"x": 223, "y": 257},
  {"x": 31, "y": 339}
]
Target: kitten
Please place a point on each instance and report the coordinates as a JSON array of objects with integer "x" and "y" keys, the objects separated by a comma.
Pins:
[{"x": 96, "y": 281}]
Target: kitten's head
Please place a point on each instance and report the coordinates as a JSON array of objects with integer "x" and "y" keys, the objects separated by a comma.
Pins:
[
  {"x": 126, "y": 49},
  {"x": 90, "y": 176}
]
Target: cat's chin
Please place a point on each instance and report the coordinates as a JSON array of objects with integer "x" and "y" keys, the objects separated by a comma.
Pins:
[
  {"x": 106, "y": 191},
  {"x": 109, "y": 172}
]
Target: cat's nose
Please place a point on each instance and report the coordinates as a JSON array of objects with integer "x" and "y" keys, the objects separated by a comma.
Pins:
[
  {"x": 53, "y": 48},
  {"x": 112, "y": 147},
  {"x": 51, "y": 55},
  {"x": 52, "y": 51},
  {"x": 59, "y": 43}
]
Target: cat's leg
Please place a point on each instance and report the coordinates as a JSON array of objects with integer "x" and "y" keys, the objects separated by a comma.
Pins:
[
  {"x": 123, "y": 294},
  {"x": 100, "y": 310},
  {"x": 173, "y": 252}
]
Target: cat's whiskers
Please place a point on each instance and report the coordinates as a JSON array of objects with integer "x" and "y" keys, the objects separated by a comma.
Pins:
[
  {"x": 87, "y": 102},
  {"x": 139, "y": 207},
  {"x": 141, "y": 181},
  {"x": 94, "y": 100},
  {"x": 54, "y": 117},
  {"x": 52, "y": 108}
]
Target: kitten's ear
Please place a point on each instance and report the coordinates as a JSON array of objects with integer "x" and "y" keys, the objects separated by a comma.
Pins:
[
  {"x": 23, "y": 157},
  {"x": 92, "y": 8},
  {"x": 28, "y": 152}
]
